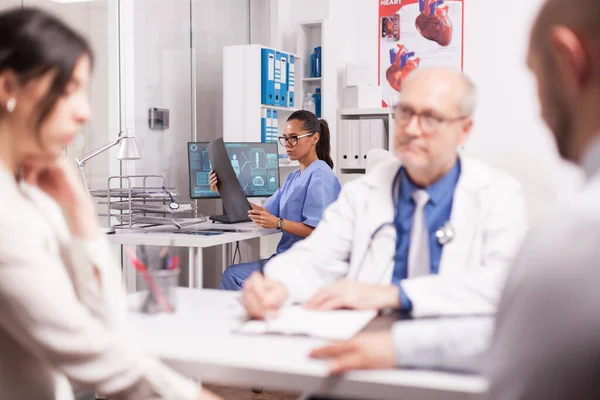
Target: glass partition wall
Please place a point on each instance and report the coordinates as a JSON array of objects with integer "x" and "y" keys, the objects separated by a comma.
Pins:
[{"x": 164, "y": 54}]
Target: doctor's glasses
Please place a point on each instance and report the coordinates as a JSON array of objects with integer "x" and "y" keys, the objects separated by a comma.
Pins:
[
  {"x": 292, "y": 139},
  {"x": 429, "y": 121}
]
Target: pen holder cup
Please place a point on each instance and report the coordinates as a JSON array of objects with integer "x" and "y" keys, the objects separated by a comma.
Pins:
[{"x": 159, "y": 287}]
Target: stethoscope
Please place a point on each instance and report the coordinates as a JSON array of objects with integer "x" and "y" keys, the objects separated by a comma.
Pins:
[
  {"x": 173, "y": 205},
  {"x": 444, "y": 234}
]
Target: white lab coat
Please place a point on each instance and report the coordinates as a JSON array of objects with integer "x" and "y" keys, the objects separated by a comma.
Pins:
[{"x": 488, "y": 218}]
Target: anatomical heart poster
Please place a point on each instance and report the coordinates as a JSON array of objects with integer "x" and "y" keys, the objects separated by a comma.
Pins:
[{"x": 415, "y": 34}]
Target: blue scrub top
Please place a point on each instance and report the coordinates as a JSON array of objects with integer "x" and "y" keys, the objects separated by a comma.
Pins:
[{"x": 303, "y": 198}]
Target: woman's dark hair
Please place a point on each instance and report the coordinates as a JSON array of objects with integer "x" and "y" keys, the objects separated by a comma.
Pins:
[
  {"x": 311, "y": 123},
  {"x": 33, "y": 43}
]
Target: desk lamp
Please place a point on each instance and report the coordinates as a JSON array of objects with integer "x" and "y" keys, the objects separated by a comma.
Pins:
[{"x": 128, "y": 150}]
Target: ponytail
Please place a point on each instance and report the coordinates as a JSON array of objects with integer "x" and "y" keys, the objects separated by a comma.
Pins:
[
  {"x": 324, "y": 143},
  {"x": 311, "y": 123}
]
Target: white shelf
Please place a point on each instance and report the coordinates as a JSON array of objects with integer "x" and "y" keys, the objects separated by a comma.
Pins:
[
  {"x": 311, "y": 79},
  {"x": 279, "y": 108},
  {"x": 289, "y": 164},
  {"x": 366, "y": 111}
]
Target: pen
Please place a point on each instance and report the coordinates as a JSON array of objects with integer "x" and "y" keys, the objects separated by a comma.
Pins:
[
  {"x": 173, "y": 262},
  {"x": 164, "y": 258}
]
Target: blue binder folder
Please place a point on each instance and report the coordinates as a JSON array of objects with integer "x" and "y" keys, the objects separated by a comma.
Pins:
[
  {"x": 291, "y": 81},
  {"x": 283, "y": 79},
  {"x": 268, "y": 77}
]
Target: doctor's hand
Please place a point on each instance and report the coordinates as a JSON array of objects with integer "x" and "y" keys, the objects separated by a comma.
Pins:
[
  {"x": 347, "y": 293},
  {"x": 263, "y": 218},
  {"x": 214, "y": 182},
  {"x": 262, "y": 296},
  {"x": 366, "y": 351}
]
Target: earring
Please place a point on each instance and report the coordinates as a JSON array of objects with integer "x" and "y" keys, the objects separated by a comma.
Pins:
[{"x": 11, "y": 104}]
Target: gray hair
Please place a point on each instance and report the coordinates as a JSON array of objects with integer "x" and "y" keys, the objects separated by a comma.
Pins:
[{"x": 468, "y": 96}]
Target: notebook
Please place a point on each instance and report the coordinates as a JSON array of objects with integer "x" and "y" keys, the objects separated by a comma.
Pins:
[{"x": 296, "y": 320}]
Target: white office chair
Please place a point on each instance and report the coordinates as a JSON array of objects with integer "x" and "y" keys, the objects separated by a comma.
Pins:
[{"x": 539, "y": 185}]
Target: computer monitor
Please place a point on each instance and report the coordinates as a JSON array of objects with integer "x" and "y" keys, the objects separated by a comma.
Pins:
[{"x": 255, "y": 164}]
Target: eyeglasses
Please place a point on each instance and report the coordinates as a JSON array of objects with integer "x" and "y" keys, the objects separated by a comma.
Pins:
[
  {"x": 428, "y": 121},
  {"x": 292, "y": 139}
]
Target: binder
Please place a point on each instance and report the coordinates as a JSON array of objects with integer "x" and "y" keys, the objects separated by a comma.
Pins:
[
  {"x": 283, "y": 93},
  {"x": 291, "y": 80},
  {"x": 345, "y": 146},
  {"x": 277, "y": 83},
  {"x": 274, "y": 126},
  {"x": 264, "y": 131},
  {"x": 268, "y": 77},
  {"x": 355, "y": 144},
  {"x": 377, "y": 134},
  {"x": 365, "y": 141}
]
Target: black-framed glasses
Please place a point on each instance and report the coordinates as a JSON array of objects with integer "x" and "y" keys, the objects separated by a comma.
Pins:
[
  {"x": 292, "y": 139},
  {"x": 428, "y": 121}
]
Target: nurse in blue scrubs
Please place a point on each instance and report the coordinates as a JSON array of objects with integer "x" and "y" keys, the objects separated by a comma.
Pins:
[{"x": 297, "y": 207}]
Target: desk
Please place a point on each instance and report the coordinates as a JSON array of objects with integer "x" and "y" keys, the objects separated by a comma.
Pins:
[
  {"x": 197, "y": 341},
  {"x": 162, "y": 236}
]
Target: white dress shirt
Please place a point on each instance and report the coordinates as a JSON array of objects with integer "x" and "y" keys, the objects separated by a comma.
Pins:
[{"x": 58, "y": 322}]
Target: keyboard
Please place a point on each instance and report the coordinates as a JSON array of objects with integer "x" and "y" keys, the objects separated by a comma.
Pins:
[{"x": 224, "y": 219}]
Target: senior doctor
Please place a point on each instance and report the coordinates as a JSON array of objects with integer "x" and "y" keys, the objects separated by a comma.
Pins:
[{"x": 432, "y": 234}]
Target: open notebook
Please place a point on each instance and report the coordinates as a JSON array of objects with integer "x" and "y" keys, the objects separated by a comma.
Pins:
[{"x": 297, "y": 320}]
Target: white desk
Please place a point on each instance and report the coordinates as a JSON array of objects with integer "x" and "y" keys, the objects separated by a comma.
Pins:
[
  {"x": 198, "y": 341},
  {"x": 165, "y": 236}
]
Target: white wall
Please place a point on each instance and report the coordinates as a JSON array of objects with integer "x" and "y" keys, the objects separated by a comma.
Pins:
[{"x": 507, "y": 117}]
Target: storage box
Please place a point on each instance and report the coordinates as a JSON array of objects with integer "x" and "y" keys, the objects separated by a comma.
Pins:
[
  {"x": 361, "y": 75},
  {"x": 362, "y": 97}
]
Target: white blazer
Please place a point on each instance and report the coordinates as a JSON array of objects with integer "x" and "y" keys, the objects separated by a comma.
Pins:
[
  {"x": 488, "y": 218},
  {"x": 59, "y": 323}
]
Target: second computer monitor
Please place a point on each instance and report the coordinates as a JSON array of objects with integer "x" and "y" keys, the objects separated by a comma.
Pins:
[{"x": 255, "y": 164}]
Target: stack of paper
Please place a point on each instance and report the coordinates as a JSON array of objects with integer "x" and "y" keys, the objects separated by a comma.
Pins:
[{"x": 297, "y": 320}]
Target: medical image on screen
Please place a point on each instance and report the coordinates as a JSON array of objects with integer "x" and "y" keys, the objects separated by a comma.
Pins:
[{"x": 256, "y": 166}]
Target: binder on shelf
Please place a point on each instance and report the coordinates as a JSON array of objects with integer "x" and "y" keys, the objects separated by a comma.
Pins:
[
  {"x": 264, "y": 130},
  {"x": 277, "y": 83},
  {"x": 377, "y": 135},
  {"x": 365, "y": 141},
  {"x": 345, "y": 138},
  {"x": 291, "y": 81},
  {"x": 283, "y": 78},
  {"x": 354, "y": 161},
  {"x": 268, "y": 77},
  {"x": 274, "y": 126}
]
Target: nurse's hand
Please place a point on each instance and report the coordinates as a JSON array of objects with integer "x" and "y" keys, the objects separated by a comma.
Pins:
[
  {"x": 214, "y": 182},
  {"x": 263, "y": 218},
  {"x": 262, "y": 296},
  {"x": 347, "y": 293},
  {"x": 366, "y": 351}
]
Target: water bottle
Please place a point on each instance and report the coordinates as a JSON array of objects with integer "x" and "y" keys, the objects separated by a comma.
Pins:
[
  {"x": 318, "y": 61},
  {"x": 317, "y": 99},
  {"x": 308, "y": 103}
]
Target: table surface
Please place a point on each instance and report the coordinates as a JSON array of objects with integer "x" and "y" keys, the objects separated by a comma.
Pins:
[
  {"x": 198, "y": 341},
  {"x": 166, "y": 236}
]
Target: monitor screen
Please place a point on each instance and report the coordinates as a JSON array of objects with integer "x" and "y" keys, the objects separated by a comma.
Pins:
[{"x": 255, "y": 164}]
